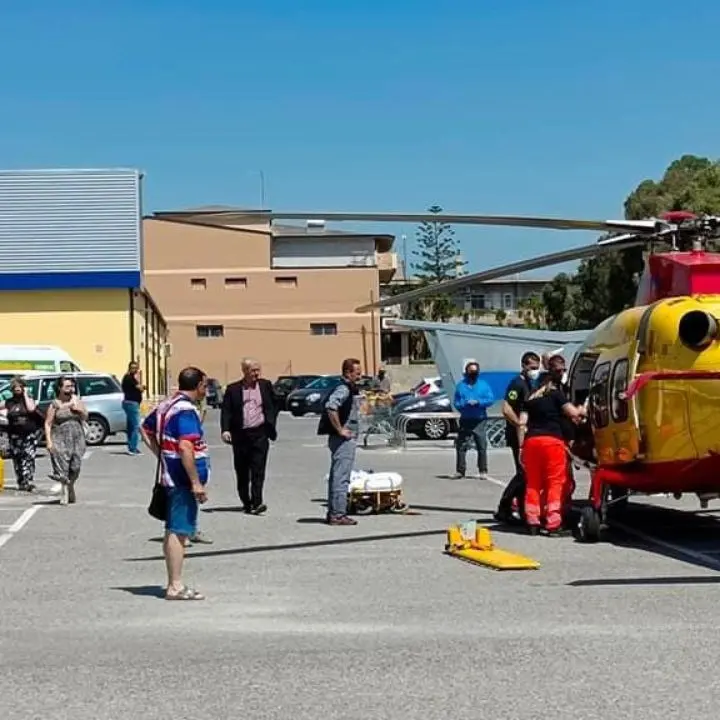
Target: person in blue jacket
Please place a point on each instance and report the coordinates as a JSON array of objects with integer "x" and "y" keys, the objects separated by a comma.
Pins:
[{"x": 473, "y": 397}]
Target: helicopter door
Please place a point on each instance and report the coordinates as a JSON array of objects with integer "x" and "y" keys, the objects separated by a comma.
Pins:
[{"x": 580, "y": 375}]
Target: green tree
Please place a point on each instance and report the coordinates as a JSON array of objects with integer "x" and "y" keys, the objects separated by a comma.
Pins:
[
  {"x": 532, "y": 312},
  {"x": 607, "y": 284},
  {"x": 557, "y": 297},
  {"x": 437, "y": 261}
]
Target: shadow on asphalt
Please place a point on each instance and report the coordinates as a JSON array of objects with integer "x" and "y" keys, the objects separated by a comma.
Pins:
[
  {"x": 156, "y": 591},
  {"x": 672, "y": 580},
  {"x": 429, "y": 508},
  {"x": 223, "y": 508},
  {"x": 297, "y": 546}
]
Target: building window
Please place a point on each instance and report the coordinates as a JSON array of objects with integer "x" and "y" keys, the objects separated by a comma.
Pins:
[
  {"x": 235, "y": 282},
  {"x": 477, "y": 302},
  {"x": 286, "y": 281},
  {"x": 507, "y": 301},
  {"x": 207, "y": 331},
  {"x": 198, "y": 283},
  {"x": 323, "y": 328}
]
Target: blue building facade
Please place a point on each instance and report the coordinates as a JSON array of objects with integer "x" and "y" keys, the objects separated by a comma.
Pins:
[{"x": 70, "y": 229}]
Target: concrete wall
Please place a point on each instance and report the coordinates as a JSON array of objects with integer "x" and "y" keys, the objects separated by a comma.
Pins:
[
  {"x": 222, "y": 278},
  {"x": 91, "y": 325},
  {"x": 150, "y": 336},
  {"x": 403, "y": 377}
]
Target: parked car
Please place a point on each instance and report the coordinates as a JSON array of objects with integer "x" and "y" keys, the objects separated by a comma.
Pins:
[
  {"x": 312, "y": 397},
  {"x": 285, "y": 384},
  {"x": 427, "y": 428},
  {"x": 213, "y": 395},
  {"x": 427, "y": 386},
  {"x": 101, "y": 393}
]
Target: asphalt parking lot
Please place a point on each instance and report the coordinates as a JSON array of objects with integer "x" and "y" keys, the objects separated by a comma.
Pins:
[{"x": 308, "y": 621}]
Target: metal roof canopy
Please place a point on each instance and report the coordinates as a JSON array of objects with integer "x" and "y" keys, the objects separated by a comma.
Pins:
[{"x": 496, "y": 349}]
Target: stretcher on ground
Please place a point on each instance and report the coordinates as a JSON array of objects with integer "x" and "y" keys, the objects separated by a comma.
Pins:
[
  {"x": 473, "y": 543},
  {"x": 375, "y": 492}
]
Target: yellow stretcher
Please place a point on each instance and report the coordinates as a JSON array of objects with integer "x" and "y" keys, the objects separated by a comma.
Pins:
[{"x": 474, "y": 544}]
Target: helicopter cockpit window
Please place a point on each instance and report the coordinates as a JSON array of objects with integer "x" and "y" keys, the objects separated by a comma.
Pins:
[
  {"x": 599, "y": 410},
  {"x": 619, "y": 404}
]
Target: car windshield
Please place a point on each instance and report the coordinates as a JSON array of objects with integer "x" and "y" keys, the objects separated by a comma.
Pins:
[{"x": 323, "y": 383}]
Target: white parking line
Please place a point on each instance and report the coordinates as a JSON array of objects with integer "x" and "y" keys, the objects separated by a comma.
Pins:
[{"x": 19, "y": 524}]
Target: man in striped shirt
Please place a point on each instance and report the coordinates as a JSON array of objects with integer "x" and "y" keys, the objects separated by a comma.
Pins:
[{"x": 174, "y": 433}]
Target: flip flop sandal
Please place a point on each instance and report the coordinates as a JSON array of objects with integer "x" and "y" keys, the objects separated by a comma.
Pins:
[{"x": 185, "y": 594}]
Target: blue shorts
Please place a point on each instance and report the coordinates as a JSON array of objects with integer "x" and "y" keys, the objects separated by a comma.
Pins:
[{"x": 182, "y": 511}]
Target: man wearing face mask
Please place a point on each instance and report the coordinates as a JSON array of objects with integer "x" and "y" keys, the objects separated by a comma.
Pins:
[
  {"x": 515, "y": 395},
  {"x": 473, "y": 397}
]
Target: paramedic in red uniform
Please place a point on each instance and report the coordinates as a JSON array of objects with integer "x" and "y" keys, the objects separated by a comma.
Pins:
[{"x": 542, "y": 446}]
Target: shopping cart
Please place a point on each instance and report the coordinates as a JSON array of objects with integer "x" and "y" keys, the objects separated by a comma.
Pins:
[{"x": 376, "y": 417}]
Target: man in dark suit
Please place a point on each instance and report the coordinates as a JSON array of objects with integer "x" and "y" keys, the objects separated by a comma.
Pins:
[{"x": 248, "y": 422}]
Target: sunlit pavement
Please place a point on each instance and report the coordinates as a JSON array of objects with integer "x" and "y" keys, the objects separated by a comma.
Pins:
[{"x": 308, "y": 621}]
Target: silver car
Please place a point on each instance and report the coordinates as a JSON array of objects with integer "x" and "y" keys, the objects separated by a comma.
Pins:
[{"x": 101, "y": 393}]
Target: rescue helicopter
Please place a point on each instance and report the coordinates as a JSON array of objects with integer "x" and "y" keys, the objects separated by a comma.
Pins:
[{"x": 647, "y": 375}]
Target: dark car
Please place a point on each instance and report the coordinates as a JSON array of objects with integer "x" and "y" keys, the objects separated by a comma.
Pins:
[
  {"x": 213, "y": 395},
  {"x": 427, "y": 428},
  {"x": 312, "y": 397},
  {"x": 285, "y": 384}
]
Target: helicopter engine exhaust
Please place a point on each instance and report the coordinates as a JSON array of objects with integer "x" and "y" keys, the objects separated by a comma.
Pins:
[{"x": 697, "y": 329}]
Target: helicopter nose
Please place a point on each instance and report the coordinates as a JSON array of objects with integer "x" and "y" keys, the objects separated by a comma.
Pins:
[{"x": 697, "y": 329}]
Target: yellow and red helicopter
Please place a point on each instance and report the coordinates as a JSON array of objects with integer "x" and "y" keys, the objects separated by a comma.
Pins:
[{"x": 649, "y": 375}]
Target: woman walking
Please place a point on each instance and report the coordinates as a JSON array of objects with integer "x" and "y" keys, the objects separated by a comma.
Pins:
[
  {"x": 65, "y": 437},
  {"x": 22, "y": 427}
]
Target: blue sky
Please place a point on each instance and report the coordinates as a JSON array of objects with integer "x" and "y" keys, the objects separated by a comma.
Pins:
[{"x": 548, "y": 107}]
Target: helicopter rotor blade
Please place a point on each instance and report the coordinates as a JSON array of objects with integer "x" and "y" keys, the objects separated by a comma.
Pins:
[
  {"x": 636, "y": 226},
  {"x": 613, "y": 244}
]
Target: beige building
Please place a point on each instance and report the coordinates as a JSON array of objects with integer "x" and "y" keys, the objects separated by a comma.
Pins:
[{"x": 231, "y": 284}]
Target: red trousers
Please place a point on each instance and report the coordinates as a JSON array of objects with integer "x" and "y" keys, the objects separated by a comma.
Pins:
[{"x": 546, "y": 476}]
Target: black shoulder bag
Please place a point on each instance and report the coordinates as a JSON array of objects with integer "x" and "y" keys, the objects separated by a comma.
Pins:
[{"x": 158, "y": 500}]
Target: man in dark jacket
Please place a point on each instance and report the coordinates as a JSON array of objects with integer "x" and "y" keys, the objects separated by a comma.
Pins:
[
  {"x": 339, "y": 422},
  {"x": 516, "y": 394},
  {"x": 248, "y": 422}
]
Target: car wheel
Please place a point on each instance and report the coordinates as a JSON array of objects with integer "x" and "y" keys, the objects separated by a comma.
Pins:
[
  {"x": 96, "y": 430},
  {"x": 435, "y": 429}
]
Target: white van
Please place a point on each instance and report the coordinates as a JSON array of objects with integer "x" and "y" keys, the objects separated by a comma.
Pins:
[{"x": 19, "y": 359}]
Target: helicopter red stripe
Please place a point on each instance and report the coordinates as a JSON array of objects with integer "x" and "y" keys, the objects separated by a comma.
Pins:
[{"x": 642, "y": 380}]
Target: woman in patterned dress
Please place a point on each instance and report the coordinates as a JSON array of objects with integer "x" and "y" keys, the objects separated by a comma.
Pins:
[{"x": 65, "y": 437}]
